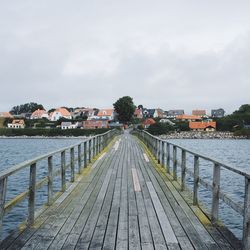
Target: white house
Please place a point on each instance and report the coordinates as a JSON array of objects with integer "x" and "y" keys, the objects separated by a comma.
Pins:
[
  {"x": 60, "y": 113},
  {"x": 16, "y": 124}
]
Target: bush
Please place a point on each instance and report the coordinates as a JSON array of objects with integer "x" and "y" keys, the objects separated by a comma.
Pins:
[
  {"x": 50, "y": 132},
  {"x": 243, "y": 132},
  {"x": 160, "y": 128}
]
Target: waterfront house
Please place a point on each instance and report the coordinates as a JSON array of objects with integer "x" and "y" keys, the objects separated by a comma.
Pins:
[
  {"x": 150, "y": 113},
  {"x": 160, "y": 113},
  {"x": 93, "y": 124},
  {"x": 202, "y": 126},
  {"x": 6, "y": 115},
  {"x": 199, "y": 112},
  {"x": 138, "y": 113},
  {"x": 148, "y": 122},
  {"x": 70, "y": 125},
  {"x": 167, "y": 121},
  {"x": 106, "y": 114},
  {"x": 217, "y": 113},
  {"x": 17, "y": 124},
  {"x": 188, "y": 118},
  {"x": 60, "y": 113},
  {"x": 39, "y": 114},
  {"x": 173, "y": 113}
]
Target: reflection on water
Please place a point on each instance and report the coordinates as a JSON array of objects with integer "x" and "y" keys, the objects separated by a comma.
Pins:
[{"x": 233, "y": 152}]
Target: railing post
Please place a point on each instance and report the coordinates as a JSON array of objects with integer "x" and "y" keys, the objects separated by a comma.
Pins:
[
  {"x": 94, "y": 145},
  {"x": 158, "y": 150},
  {"x": 79, "y": 158},
  {"x": 85, "y": 154},
  {"x": 99, "y": 144},
  {"x": 246, "y": 216},
  {"x": 183, "y": 169},
  {"x": 32, "y": 194},
  {"x": 196, "y": 180},
  {"x": 162, "y": 153},
  {"x": 216, "y": 192},
  {"x": 63, "y": 176},
  {"x": 175, "y": 163},
  {"x": 50, "y": 180},
  {"x": 156, "y": 147},
  {"x": 3, "y": 189},
  {"x": 165, "y": 154},
  {"x": 72, "y": 164},
  {"x": 90, "y": 149},
  {"x": 168, "y": 158}
]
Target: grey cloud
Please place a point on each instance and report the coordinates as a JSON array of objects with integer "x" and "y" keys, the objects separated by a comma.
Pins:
[{"x": 164, "y": 54}]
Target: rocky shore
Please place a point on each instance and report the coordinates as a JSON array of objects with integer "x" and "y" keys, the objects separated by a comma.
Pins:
[{"x": 201, "y": 135}]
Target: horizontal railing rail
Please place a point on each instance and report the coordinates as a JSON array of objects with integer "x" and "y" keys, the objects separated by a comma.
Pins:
[
  {"x": 165, "y": 151},
  {"x": 80, "y": 154}
]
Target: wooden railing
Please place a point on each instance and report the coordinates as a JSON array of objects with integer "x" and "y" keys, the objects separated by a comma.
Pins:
[
  {"x": 165, "y": 152},
  {"x": 86, "y": 151}
]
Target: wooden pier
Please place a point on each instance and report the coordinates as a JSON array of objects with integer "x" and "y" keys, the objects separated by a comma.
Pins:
[{"x": 123, "y": 200}]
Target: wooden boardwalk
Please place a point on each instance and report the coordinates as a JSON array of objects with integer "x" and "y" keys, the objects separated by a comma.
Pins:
[{"x": 122, "y": 201}]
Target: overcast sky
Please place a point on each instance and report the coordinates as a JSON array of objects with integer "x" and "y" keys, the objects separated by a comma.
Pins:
[{"x": 185, "y": 54}]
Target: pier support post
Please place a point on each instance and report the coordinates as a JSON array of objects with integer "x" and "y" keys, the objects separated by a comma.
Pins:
[
  {"x": 246, "y": 216},
  {"x": 72, "y": 164},
  {"x": 32, "y": 194},
  {"x": 216, "y": 190},
  {"x": 162, "y": 153},
  {"x": 3, "y": 188},
  {"x": 90, "y": 149},
  {"x": 85, "y": 161},
  {"x": 63, "y": 166},
  {"x": 196, "y": 180},
  {"x": 168, "y": 158},
  {"x": 165, "y": 154},
  {"x": 79, "y": 158},
  {"x": 50, "y": 180},
  {"x": 183, "y": 170},
  {"x": 175, "y": 163}
]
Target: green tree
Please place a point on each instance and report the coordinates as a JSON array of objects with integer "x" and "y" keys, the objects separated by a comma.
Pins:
[
  {"x": 26, "y": 108},
  {"x": 125, "y": 108}
]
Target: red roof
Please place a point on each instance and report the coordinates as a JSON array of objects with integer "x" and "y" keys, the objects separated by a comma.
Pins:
[
  {"x": 149, "y": 121},
  {"x": 6, "y": 115},
  {"x": 105, "y": 112},
  {"x": 201, "y": 125},
  {"x": 188, "y": 117}
]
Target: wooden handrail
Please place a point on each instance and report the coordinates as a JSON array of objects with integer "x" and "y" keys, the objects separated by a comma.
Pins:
[
  {"x": 86, "y": 151},
  {"x": 161, "y": 150}
]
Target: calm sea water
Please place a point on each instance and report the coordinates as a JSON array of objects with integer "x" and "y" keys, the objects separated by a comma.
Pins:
[
  {"x": 234, "y": 152},
  {"x": 14, "y": 151}
]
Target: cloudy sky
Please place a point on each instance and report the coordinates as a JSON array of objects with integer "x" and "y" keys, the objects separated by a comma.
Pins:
[{"x": 188, "y": 54}]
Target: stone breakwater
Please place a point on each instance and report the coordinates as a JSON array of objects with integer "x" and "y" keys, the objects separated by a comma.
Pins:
[{"x": 201, "y": 135}]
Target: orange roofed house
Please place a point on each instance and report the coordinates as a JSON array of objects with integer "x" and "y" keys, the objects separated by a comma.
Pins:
[
  {"x": 148, "y": 122},
  {"x": 202, "y": 126},
  {"x": 106, "y": 114},
  {"x": 200, "y": 112},
  {"x": 60, "y": 113},
  {"x": 189, "y": 118},
  {"x": 16, "y": 124},
  {"x": 6, "y": 115},
  {"x": 39, "y": 114}
]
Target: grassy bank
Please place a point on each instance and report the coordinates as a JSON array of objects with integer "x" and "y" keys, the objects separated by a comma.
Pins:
[{"x": 50, "y": 132}]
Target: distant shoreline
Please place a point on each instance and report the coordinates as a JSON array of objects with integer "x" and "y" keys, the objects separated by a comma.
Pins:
[
  {"x": 202, "y": 135},
  {"x": 43, "y": 137}
]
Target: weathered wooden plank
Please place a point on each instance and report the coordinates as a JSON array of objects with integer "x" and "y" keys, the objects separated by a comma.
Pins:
[
  {"x": 136, "y": 182},
  {"x": 108, "y": 212},
  {"x": 165, "y": 224},
  {"x": 122, "y": 228}
]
